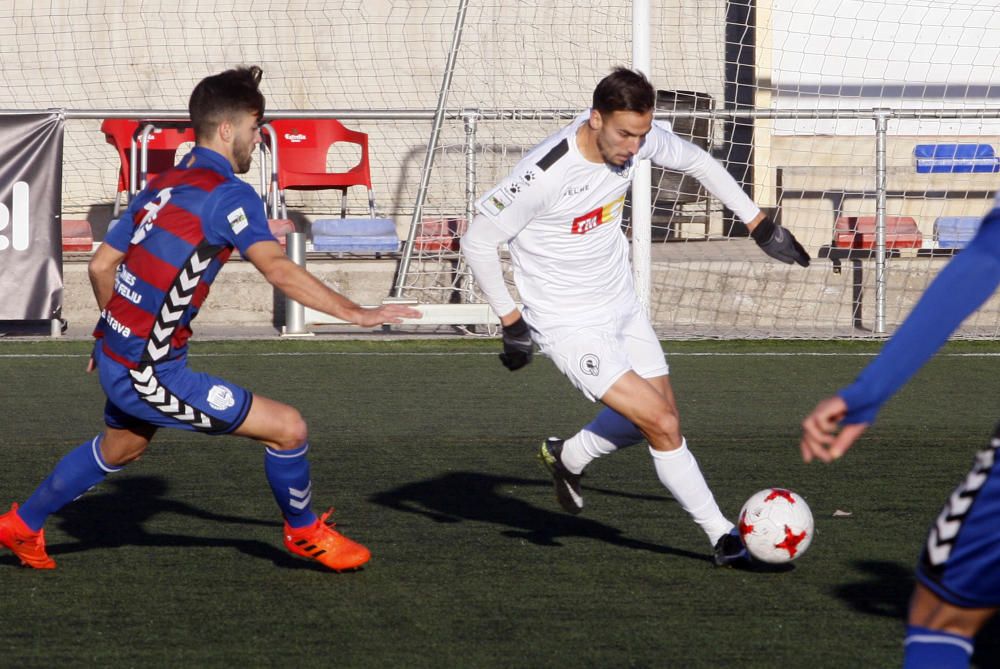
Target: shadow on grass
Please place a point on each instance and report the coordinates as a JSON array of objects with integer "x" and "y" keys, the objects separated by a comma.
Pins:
[
  {"x": 885, "y": 592},
  {"x": 463, "y": 496},
  {"x": 118, "y": 517}
]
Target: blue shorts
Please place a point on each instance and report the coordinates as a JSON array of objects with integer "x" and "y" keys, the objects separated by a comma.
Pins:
[
  {"x": 170, "y": 394},
  {"x": 961, "y": 559}
]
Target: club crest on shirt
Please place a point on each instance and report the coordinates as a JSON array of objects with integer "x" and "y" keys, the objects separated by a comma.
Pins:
[
  {"x": 220, "y": 398},
  {"x": 624, "y": 170},
  {"x": 590, "y": 364},
  {"x": 238, "y": 220}
]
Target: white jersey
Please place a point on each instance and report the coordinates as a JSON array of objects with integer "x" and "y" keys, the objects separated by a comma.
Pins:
[{"x": 561, "y": 215}]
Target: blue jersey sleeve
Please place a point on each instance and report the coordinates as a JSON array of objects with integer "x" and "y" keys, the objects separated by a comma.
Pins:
[
  {"x": 958, "y": 290},
  {"x": 237, "y": 217}
]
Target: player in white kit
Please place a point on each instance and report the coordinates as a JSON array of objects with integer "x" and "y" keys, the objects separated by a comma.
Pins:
[{"x": 560, "y": 213}]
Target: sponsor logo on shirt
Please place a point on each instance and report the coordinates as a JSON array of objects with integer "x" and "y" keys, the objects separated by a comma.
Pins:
[
  {"x": 221, "y": 398},
  {"x": 516, "y": 186},
  {"x": 124, "y": 283},
  {"x": 608, "y": 212},
  {"x": 497, "y": 200},
  {"x": 296, "y": 138},
  {"x": 117, "y": 326},
  {"x": 238, "y": 220}
]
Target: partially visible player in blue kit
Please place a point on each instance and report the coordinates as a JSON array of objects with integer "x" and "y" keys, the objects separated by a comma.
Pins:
[
  {"x": 150, "y": 277},
  {"x": 958, "y": 576}
]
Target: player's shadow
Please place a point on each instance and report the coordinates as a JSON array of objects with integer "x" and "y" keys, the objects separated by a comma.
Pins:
[
  {"x": 116, "y": 514},
  {"x": 471, "y": 496},
  {"x": 885, "y": 592}
]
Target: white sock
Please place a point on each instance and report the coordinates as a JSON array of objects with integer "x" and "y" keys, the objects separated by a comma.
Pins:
[
  {"x": 604, "y": 435},
  {"x": 679, "y": 473}
]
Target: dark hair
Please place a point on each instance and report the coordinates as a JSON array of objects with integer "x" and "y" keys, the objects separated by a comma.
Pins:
[
  {"x": 624, "y": 90},
  {"x": 218, "y": 97}
]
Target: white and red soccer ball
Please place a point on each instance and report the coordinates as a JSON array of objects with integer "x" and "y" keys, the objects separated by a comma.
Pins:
[{"x": 776, "y": 525}]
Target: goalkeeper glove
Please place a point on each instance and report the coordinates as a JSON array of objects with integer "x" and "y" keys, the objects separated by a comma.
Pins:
[
  {"x": 517, "y": 347},
  {"x": 779, "y": 243}
]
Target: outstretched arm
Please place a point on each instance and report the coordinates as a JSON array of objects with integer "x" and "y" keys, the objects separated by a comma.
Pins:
[
  {"x": 298, "y": 284},
  {"x": 665, "y": 148},
  {"x": 957, "y": 291}
]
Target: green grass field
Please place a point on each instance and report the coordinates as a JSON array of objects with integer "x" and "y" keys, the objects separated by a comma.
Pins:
[{"x": 426, "y": 449}]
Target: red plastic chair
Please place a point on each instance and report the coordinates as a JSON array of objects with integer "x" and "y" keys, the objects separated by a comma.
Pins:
[
  {"x": 120, "y": 133},
  {"x": 299, "y": 149},
  {"x": 145, "y": 149},
  {"x": 158, "y": 142}
]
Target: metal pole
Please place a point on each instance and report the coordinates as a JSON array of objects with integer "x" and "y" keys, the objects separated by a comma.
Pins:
[
  {"x": 881, "y": 126},
  {"x": 425, "y": 175},
  {"x": 642, "y": 206},
  {"x": 295, "y": 313},
  {"x": 471, "y": 123}
]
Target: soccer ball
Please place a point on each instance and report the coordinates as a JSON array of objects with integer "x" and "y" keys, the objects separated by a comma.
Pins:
[{"x": 776, "y": 525}]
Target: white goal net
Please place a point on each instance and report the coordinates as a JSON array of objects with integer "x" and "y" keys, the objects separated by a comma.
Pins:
[{"x": 837, "y": 116}]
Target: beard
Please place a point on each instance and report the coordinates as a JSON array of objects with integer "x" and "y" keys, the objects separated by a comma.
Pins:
[
  {"x": 607, "y": 153},
  {"x": 243, "y": 155}
]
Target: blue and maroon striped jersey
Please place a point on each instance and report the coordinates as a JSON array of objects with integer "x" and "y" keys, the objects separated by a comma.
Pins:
[{"x": 176, "y": 235}]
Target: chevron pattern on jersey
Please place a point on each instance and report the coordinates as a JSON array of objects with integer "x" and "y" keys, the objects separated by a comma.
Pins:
[
  {"x": 176, "y": 302},
  {"x": 149, "y": 388},
  {"x": 945, "y": 530}
]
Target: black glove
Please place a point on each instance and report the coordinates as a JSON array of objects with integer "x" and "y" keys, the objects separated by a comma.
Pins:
[
  {"x": 779, "y": 243},
  {"x": 517, "y": 347}
]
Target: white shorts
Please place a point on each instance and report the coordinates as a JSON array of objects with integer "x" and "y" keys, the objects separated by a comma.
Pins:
[{"x": 593, "y": 357}]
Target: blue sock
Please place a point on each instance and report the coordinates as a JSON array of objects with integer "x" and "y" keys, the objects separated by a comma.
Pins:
[
  {"x": 616, "y": 428},
  {"x": 79, "y": 471},
  {"x": 933, "y": 649},
  {"x": 288, "y": 474}
]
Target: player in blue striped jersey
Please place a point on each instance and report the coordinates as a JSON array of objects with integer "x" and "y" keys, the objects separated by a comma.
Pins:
[{"x": 150, "y": 277}]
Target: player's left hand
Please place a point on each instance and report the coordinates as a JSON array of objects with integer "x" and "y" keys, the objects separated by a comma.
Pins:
[
  {"x": 387, "y": 313},
  {"x": 820, "y": 437},
  {"x": 779, "y": 243}
]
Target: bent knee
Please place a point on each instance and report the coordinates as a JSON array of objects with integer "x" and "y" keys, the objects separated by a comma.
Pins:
[
  {"x": 664, "y": 430},
  {"x": 293, "y": 431}
]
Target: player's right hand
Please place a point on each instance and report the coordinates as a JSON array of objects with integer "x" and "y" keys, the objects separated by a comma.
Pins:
[
  {"x": 821, "y": 439},
  {"x": 517, "y": 346},
  {"x": 387, "y": 313}
]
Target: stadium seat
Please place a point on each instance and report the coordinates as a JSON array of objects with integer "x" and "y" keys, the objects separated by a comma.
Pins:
[
  {"x": 120, "y": 133},
  {"x": 158, "y": 143},
  {"x": 300, "y": 150},
  {"x": 145, "y": 149},
  {"x": 439, "y": 234},
  {"x": 77, "y": 235},
  {"x": 955, "y": 232},
  {"x": 355, "y": 235},
  {"x": 858, "y": 232},
  {"x": 955, "y": 158}
]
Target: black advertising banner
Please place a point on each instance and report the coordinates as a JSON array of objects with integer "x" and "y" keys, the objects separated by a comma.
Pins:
[{"x": 31, "y": 285}]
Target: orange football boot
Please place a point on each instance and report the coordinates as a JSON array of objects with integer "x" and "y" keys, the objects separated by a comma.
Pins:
[
  {"x": 322, "y": 543},
  {"x": 28, "y": 545}
]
